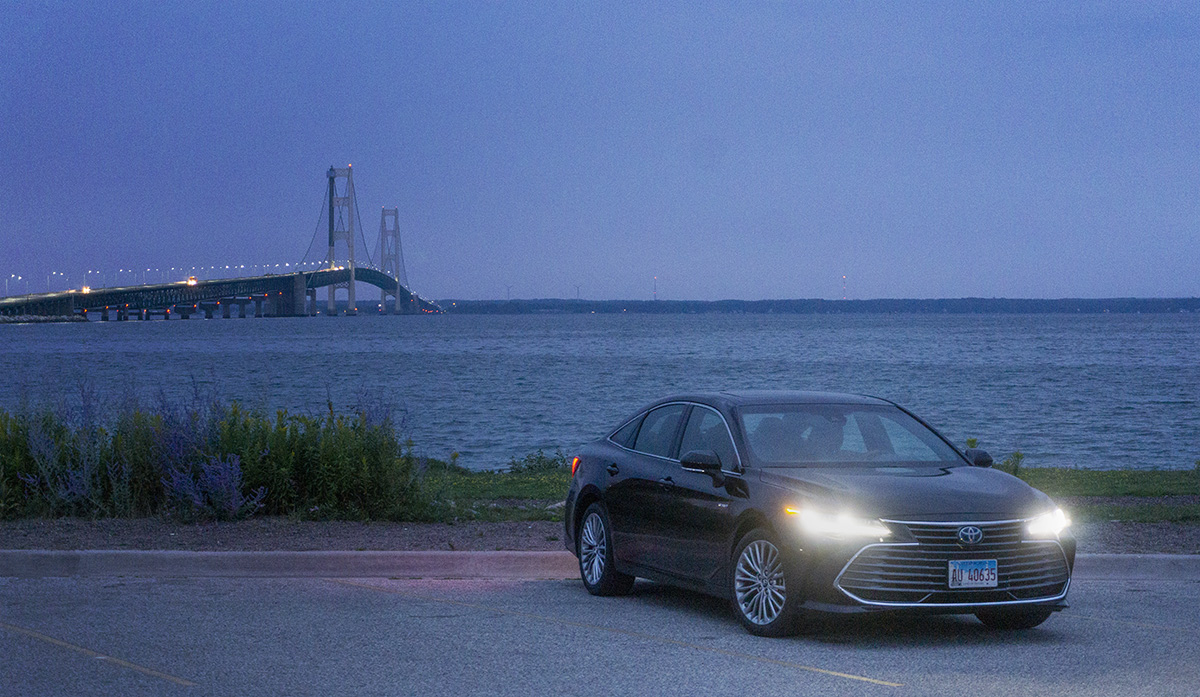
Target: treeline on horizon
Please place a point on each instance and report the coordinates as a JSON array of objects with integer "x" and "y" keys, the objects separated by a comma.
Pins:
[{"x": 818, "y": 306}]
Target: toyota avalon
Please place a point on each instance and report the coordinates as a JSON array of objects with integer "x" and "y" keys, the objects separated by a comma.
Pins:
[{"x": 795, "y": 503}]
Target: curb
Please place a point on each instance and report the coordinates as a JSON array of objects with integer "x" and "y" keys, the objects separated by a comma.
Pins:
[{"x": 440, "y": 565}]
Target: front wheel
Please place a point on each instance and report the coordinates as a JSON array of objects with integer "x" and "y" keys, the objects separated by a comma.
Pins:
[
  {"x": 594, "y": 542},
  {"x": 1010, "y": 620},
  {"x": 765, "y": 599}
]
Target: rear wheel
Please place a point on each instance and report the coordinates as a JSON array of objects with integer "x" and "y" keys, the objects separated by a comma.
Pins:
[
  {"x": 765, "y": 599},
  {"x": 594, "y": 542},
  {"x": 1010, "y": 620}
]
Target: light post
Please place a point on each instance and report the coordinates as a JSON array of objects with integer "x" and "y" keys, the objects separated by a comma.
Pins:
[
  {"x": 56, "y": 273},
  {"x": 10, "y": 277}
]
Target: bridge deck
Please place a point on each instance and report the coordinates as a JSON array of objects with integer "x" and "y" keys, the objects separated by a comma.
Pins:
[{"x": 287, "y": 294}]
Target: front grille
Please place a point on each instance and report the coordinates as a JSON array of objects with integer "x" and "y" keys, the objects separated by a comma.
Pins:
[{"x": 918, "y": 573}]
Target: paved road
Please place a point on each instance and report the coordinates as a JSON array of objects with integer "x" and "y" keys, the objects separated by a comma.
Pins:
[{"x": 254, "y": 636}]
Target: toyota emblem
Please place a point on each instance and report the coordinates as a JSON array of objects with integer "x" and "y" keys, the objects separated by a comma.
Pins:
[{"x": 970, "y": 535}]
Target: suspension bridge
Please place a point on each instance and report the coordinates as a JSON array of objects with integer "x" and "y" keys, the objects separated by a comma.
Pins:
[{"x": 288, "y": 294}]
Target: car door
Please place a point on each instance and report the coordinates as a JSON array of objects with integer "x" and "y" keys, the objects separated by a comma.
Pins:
[
  {"x": 635, "y": 494},
  {"x": 698, "y": 517}
]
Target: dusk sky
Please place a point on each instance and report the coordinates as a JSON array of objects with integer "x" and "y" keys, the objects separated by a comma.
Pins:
[{"x": 751, "y": 150}]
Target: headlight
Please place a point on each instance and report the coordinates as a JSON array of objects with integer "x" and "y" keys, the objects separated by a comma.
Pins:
[
  {"x": 1048, "y": 525},
  {"x": 844, "y": 524}
]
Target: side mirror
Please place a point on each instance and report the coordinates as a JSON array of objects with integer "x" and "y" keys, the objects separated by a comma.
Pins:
[
  {"x": 704, "y": 461},
  {"x": 978, "y": 457}
]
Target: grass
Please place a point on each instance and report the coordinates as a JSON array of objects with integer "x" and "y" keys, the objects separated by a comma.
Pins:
[
  {"x": 1073, "y": 482},
  {"x": 527, "y": 490},
  {"x": 1137, "y": 513}
]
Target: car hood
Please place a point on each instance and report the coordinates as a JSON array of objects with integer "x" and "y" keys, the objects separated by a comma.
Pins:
[{"x": 915, "y": 493}]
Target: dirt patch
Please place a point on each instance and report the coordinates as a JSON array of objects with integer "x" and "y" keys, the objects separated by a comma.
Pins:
[
  {"x": 263, "y": 534},
  {"x": 1137, "y": 538},
  {"x": 1070, "y": 502}
]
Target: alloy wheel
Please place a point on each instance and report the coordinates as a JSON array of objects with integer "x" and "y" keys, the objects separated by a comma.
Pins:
[
  {"x": 592, "y": 549},
  {"x": 759, "y": 582}
]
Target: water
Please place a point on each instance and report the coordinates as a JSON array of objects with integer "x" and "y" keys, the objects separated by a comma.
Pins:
[{"x": 1089, "y": 391}]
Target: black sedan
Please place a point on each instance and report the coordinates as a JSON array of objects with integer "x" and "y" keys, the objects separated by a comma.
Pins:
[{"x": 791, "y": 503}]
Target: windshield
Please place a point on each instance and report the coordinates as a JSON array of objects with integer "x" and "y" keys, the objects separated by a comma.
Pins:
[{"x": 839, "y": 434}]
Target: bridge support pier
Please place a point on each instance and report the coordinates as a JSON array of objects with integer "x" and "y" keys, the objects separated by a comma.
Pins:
[
  {"x": 225, "y": 307},
  {"x": 104, "y": 315}
]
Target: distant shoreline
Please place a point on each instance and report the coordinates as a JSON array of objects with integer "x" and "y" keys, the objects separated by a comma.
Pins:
[{"x": 957, "y": 306}]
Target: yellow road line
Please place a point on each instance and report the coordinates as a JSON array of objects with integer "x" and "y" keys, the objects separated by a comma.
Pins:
[
  {"x": 623, "y": 632},
  {"x": 96, "y": 654}
]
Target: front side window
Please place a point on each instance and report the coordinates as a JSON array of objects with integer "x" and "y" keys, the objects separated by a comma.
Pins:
[
  {"x": 706, "y": 430},
  {"x": 657, "y": 434},
  {"x": 840, "y": 434}
]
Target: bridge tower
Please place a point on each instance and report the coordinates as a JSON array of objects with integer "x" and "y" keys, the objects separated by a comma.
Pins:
[
  {"x": 391, "y": 256},
  {"x": 341, "y": 210}
]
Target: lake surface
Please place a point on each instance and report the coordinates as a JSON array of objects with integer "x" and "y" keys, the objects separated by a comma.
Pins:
[{"x": 1088, "y": 391}]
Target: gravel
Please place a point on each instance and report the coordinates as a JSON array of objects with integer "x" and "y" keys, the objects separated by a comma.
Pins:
[{"x": 263, "y": 534}]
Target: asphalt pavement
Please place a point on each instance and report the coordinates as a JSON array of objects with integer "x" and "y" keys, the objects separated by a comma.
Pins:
[{"x": 105, "y": 635}]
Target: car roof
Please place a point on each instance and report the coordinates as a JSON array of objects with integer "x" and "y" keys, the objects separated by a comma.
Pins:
[{"x": 736, "y": 398}]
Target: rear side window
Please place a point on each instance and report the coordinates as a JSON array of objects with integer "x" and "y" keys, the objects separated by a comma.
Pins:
[
  {"x": 658, "y": 430},
  {"x": 706, "y": 430},
  {"x": 624, "y": 435}
]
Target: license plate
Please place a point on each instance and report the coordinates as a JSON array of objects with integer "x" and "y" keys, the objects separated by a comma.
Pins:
[{"x": 973, "y": 573}]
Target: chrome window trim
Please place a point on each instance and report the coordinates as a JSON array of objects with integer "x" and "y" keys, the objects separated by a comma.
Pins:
[
  {"x": 837, "y": 582},
  {"x": 728, "y": 432},
  {"x": 640, "y": 414}
]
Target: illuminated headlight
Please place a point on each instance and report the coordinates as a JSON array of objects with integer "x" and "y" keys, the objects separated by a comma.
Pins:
[
  {"x": 1048, "y": 525},
  {"x": 822, "y": 524}
]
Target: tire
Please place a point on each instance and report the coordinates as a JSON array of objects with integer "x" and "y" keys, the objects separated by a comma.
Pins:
[
  {"x": 764, "y": 589},
  {"x": 1012, "y": 620},
  {"x": 593, "y": 541}
]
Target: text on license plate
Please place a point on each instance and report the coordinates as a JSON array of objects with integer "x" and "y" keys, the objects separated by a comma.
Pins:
[{"x": 973, "y": 573}]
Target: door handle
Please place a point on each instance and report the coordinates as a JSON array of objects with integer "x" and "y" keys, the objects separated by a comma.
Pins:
[
  {"x": 613, "y": 469},
  {"x": 666, "y": 480}
]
